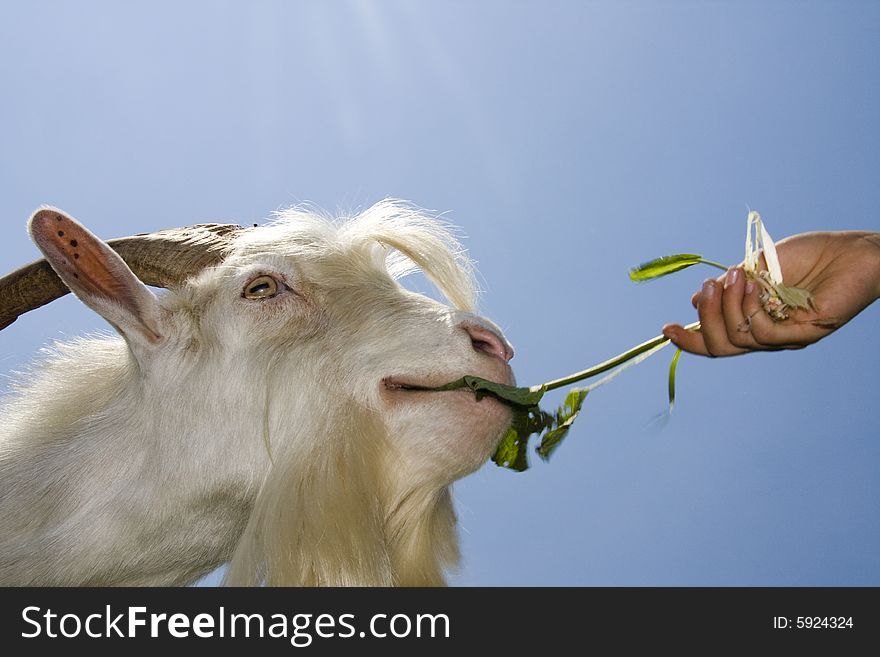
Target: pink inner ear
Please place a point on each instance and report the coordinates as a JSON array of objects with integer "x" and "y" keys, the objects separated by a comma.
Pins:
[{"x": 80, "y": 257}]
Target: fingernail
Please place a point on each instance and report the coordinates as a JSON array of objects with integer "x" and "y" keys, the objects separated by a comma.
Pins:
[
  {"x": 669, "y": 332},
  {"x": 750, "y": 286},
  {"x": 709, "y": 287},
  {"x": 732, "y": 277}
]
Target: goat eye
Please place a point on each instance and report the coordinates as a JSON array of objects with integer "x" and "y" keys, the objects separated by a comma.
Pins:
[{"x": 262, "y": 287}]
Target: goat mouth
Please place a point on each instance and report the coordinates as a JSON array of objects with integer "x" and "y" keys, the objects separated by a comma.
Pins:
[{"x": 396, "y": 384}]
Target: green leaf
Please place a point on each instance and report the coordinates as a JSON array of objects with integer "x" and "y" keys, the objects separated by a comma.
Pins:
[
  {"x": 672, "y": 368},
  {"x": 517, "y": 396},
  {"x": 511, "y": 395},
  {"x": 511, "y": 453},
  {"x": 565, "y": 416},
  {"x": 513, "y": 450},
  {"x": 663, "y": 266}
]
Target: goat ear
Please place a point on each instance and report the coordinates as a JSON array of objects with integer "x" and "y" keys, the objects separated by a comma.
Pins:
[{"x": 96, "y": 274}]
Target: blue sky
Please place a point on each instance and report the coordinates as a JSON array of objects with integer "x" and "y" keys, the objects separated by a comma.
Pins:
[{"x": 569, "y": 141}]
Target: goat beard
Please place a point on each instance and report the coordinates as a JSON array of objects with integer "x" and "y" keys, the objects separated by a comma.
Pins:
[{"x": 329, "y": 513}]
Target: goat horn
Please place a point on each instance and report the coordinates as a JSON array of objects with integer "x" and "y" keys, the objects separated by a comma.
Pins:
[{"x": 163, "y": 259}]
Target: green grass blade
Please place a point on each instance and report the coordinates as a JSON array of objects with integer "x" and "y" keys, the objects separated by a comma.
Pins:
[
  {"x": 668, "y": 265},
  {"x": 673, "y": 366},
  {"x": 663, "y": 266}
]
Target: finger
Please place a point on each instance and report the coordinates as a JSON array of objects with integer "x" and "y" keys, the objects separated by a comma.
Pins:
[
  {"x": 769, "y": 333},
  {"x": 712, "y": 323},
  {"x": 689, "y": 341},
  {"x": 736, "y": 322},
  {"x": 695, "y": 297}
]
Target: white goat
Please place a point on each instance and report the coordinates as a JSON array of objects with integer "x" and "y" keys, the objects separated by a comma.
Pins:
[{"x": 257, "y": 412}]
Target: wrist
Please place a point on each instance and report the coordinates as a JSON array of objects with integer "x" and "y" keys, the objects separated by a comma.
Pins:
[{"x": 874, "y": 240}]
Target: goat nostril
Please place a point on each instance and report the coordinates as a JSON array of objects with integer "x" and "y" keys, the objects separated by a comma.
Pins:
[{"x": 488, "y": 342}]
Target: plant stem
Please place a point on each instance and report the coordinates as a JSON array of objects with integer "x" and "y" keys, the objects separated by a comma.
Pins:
[
  {"x": 617, "y": 360},
  {"x": 714, "y": 264}
]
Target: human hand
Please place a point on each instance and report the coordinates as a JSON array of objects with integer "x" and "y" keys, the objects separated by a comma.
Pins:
[{"x": 841, "y": 269}]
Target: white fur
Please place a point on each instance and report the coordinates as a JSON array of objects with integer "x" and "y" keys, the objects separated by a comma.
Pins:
[{"x": 258, "y": 432}]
